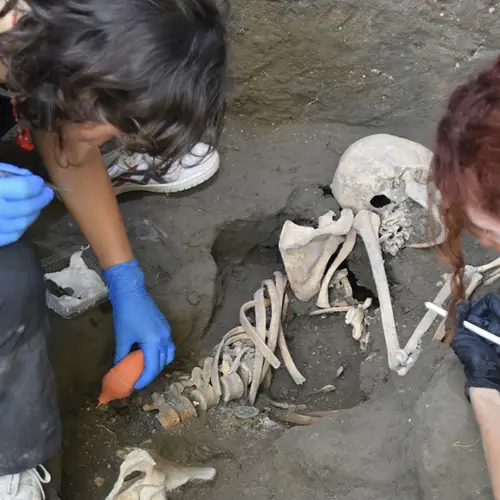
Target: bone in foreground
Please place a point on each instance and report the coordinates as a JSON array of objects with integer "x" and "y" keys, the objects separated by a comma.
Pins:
[
  {"x": 367, "y": 225},
  {"x": 157, "y": 476},
  {"x": 306, "y": 251},
  {"x": 356, "y": 318}
]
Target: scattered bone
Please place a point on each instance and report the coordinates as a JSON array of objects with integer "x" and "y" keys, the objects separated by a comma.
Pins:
[
  {"x": 488, "y": 267},
  {"x": 297, "y": 418},
  {"x": 282, "y": 299},
  {"x": 424, "y": 324},
  {"x": 473, "y": 280},
  {"x": 321, "y": 413},
  {"x": 494, "y": 277},
  {"x": 279, "y": 404},
  {"x": 324, "y": 390},
  {"x": 350, "y": 240},
  {"x": 347, "y": 287},
  {"x": 356, "y": 318},
  {"x": 473, "y": 276},
  {"x": 329, "y": 310},
  {"x": 260, "y": 326},
  {"x": 306, "y": 251},
  {"x": 340, "y": 371},
  {"x": 367, "y": 225},
  {"x": 338, "y": 277},
  {"x": 157, "y": 476},
  {"x": 364, "y": 341}
]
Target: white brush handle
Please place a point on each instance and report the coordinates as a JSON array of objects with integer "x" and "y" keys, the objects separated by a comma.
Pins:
[{"x": 471, "y": 327}]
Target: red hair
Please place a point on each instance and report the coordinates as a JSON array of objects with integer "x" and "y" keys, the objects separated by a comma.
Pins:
[{"x": 466, "y": 164}]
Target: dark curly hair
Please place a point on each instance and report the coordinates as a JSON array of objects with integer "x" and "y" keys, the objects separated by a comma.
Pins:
[
  {"x": 466, "y": 165},
  {"x": 154, "y": 69}
]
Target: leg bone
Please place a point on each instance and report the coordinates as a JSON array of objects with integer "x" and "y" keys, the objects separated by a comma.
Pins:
[{"x": 367, "y": 226}]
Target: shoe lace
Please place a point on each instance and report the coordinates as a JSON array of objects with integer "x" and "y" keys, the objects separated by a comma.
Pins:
[{"x": 40, "y": 476}]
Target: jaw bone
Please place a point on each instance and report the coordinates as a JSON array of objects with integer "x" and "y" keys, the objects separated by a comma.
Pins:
[
  {"x": 418, "y": 192},
  {"x": 367, "y": 225},
  {"x": 306, "y": 251}
]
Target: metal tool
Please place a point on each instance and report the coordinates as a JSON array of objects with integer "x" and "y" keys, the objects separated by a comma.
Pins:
[
  {"x": 54, "y": 188},
  {"x": 469, "y": 326}
]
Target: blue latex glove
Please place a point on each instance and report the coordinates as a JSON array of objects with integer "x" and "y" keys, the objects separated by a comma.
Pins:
[
  {"x": 22, "y": 198},
  {"x": 137, "y": 320}
]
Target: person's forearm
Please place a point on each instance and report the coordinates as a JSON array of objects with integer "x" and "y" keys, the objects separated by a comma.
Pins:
[
  {"x": 91, "y": 200},
  {"x": 486, "y": 405}
]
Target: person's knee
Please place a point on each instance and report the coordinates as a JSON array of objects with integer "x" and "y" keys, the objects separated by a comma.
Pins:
[{"x": 22, "y": 290}]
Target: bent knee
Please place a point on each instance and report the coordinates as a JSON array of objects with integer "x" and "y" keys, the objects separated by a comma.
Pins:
[{"x": 22, "y": 290}]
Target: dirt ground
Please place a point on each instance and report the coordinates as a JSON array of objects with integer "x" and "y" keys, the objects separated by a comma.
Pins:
[{"x": 311, "y": 77}]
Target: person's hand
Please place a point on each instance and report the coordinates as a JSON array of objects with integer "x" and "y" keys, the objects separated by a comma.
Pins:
[
  {"x": 137, "y": 320},
  {"x": 22, "y": 197},
  {"x": 481, "y": 358}
]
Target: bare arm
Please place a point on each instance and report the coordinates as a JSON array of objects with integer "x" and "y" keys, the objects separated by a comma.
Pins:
[
  {"x": 486, "y": 406},
  {"x": 91, "y": 201}
]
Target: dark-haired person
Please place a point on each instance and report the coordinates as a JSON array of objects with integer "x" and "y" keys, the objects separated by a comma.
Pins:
[
  {"x": 466, "y": 172},
  {"x": 150, "y": 74}
]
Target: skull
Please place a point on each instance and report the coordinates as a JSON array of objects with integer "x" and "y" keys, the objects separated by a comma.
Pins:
[{"x": 383, "y": 173}]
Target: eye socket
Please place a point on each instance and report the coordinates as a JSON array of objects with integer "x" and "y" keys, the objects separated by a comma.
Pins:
[{"x": 380, "y": 201}]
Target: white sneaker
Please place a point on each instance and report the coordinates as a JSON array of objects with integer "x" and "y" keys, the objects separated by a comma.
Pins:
[
  {"x": 27, "y": 485},
  {"x": 134, "y": 173}
]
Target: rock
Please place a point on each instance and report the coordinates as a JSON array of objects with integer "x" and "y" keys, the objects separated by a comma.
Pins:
[
  {"x": 447, "y": 446},
  {"x": 245, "y": 412},
  {"x": 354, "y": 62},
  {"x": 189, "y": 312}
]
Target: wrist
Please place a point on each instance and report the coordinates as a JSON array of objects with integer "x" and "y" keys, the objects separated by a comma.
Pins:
[{"x": 124, "y": 277}]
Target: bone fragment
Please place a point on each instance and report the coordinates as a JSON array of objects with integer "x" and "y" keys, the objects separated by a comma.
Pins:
[
  {"x": 350, "y": 240},
  {"x": 275, "y": 322},
  {"x": 487, "y": 267},
  {"x": 260, "y": 325},
  {"x": 306, "y": 251},
  {"x": 367, "y": 226},
  {"x": 324, "y": 390},
  {"x": 255, "y": 337},
  {"x": 424, "y": 324},
  {"x": 494, "y": 277},
  {"x": 297, "y": 418},
  {"x": 282, "y": 298},
  {"x": 329, "y": 310},
  {"x": 214, "y": 378},
  {"x": 356, "y": 318},
  {"x": 474, "y": 280},
  {"x": 157, "y": 477}
]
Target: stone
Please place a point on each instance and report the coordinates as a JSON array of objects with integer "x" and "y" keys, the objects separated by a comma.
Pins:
[{"x": 246, "y": 412}]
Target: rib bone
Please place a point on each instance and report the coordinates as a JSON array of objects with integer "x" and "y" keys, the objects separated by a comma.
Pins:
[{"x": 367, "y": 226}]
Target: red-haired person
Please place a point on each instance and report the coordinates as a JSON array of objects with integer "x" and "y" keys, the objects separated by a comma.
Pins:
[{"x": 466, "y": 172}]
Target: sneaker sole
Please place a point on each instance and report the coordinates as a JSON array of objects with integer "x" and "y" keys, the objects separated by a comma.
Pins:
[{"x": 176, "y": 186}]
